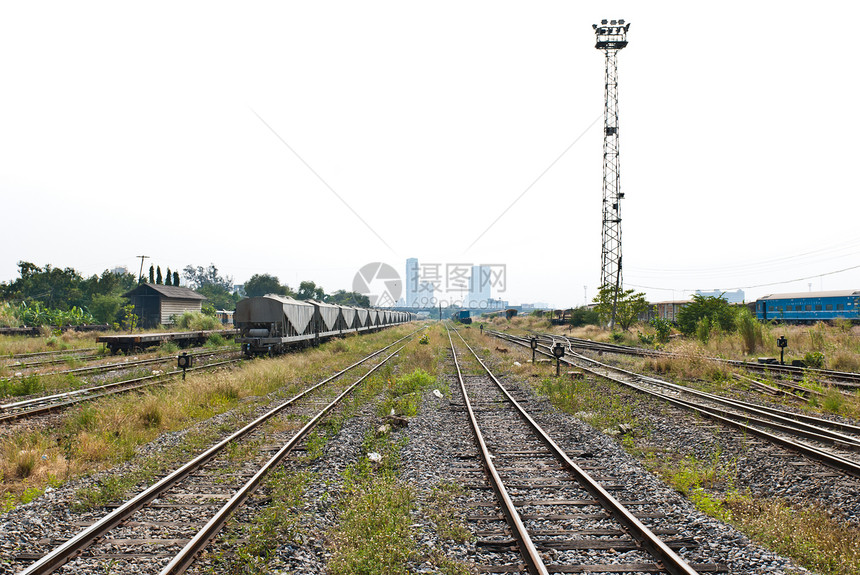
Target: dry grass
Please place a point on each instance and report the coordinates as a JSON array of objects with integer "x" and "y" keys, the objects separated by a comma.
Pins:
[
  {"x": 107, "y": 431},
  {"x": 70, "y": 340},
  {"x": 808, "y": 535}
]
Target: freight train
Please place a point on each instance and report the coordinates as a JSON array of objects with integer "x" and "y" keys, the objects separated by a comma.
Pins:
[{"x": 271, "y": 324}]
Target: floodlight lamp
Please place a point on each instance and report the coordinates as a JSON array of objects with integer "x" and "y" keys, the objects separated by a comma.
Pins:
[
  {"x": 621, "y": 22},
  {"x": 614, "y": 22},
  {"x": 604, "y": 22},
  {"x": 594, "y": 26}
]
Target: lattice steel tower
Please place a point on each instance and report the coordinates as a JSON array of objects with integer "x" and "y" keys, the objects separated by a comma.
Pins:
[{"x": 611, "y": 37}]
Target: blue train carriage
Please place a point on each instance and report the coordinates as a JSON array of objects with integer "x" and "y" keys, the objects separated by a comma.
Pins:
[{"x": 808, "y": 307}]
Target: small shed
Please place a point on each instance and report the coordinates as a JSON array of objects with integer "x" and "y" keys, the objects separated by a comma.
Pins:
[{"x": 158, "y": 304}]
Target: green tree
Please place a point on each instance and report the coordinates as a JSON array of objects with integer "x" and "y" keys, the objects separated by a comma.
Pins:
[
  {"x": 159, "y": 279},
  {"x": 716, "y": 310},
  {"x": 262, "y": 284},
  {"x": 168, "y": 278},
  {"x": 129, "y": 318},
  {"x": 152, "y": 274},
  {"x": 350, "y": 298},
  {"x": 199, "y": 277},
  {"x": 219, "y": 296},
  {"x": 627, "y": 309},
  {"x": 52, "y": 287},
  {"x": 106, "y": 308},
  {"x": 581, "y": 316},
  {"x": 176, "y": 279},
  {"x": 309, "y": 290}
]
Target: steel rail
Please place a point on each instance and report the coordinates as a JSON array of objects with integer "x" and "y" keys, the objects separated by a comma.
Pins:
[
  {"x": 740, "y": 422},
  {"x": 43, "y": 398},
  {"x": 50, "y": 361},
  {"x": 802, "y": 425},
  {"x": 185, "y": 558},
  {"x": 47, "y": 353},
  {"x": 112, "y": 388},
  {"x": 60, "y": 555},
  {"x": 849, "y": 379},
  {"x": 802, "y": 422},
  {"x": 533, "y": 560},
  {"x": 670, "y": 560},
  {"x": 105, "y": 367}
]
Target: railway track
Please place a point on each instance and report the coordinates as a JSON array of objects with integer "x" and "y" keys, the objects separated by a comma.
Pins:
[
  {"x": 39, "y": 359},
  {"x": 125, "y": 364},
  {"x": 845, "y": 380},
  {"x": 41, "y": 405},
  {"x": 163, "y": 528},
  {"x": 551, "y": 505},
  {"x": 833, "y": 443}
]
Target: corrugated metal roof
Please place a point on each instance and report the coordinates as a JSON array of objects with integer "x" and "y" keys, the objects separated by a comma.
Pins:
[
  {"x": 806, "y": 294},
  {"x": 175, "y": 292}
]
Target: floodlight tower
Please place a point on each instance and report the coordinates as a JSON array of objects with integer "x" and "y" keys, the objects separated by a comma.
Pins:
[{"x": 611, "y": 37}]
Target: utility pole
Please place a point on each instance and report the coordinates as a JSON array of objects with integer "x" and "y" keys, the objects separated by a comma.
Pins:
[
  {"x": 611, "y": 37},
  {"x": 140, "y": 274}
]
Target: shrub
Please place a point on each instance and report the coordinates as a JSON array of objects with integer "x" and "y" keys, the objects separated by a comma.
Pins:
[
  {"x": 703, "y": 330},
  {"x": 646, "y": 338},
  {"x": 196, "y": 321},
  {"x": 814, "y": 359},
  {"x": 749, "y": 329},
  {"x": 216, "y": 340},
  {"x": 581, "y": 316},
  {"x": 716, "y": 309},
  {"x": 663, "y": 327}
]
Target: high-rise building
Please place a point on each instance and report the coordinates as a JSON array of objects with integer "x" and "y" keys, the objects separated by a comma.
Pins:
[
  {"x": 479, "y": 287},
  {"x": 411, "y": 283},
  {"x": 426, "y": 296}
]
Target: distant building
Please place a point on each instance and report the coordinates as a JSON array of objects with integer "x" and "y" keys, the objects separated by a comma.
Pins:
[
  {"x": 159, "y": 304},
  {"x": 479, "y": 287},
  {"x": 736, "y": 296},
  {"x": 668, "y": 309},
  {"x": 119, "y": 270},
  {"x": 411, "y": 283},
  {"x": 239, "y": 290},
  {"x": 536, "y": 305},
  {"x": 497, "y": 304},
  {"x": 425, "y": 296}
]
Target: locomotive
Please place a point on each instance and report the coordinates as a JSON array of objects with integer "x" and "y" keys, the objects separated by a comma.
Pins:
[{"x": 271, "y": 324}]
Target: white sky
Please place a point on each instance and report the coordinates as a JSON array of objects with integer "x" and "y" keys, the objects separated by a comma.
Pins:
[{"x": 130, "y": 129}]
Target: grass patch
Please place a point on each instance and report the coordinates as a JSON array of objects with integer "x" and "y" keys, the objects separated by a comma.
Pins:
[
  {"x": 807, "y": 535},
  {"x": 18, "y": 386},
  {"x": 374, "y": 533},
  {"x": 403, "y": 394},
  {"x": 441, "y": 510},
  {"x": 589, "y": 402}
]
